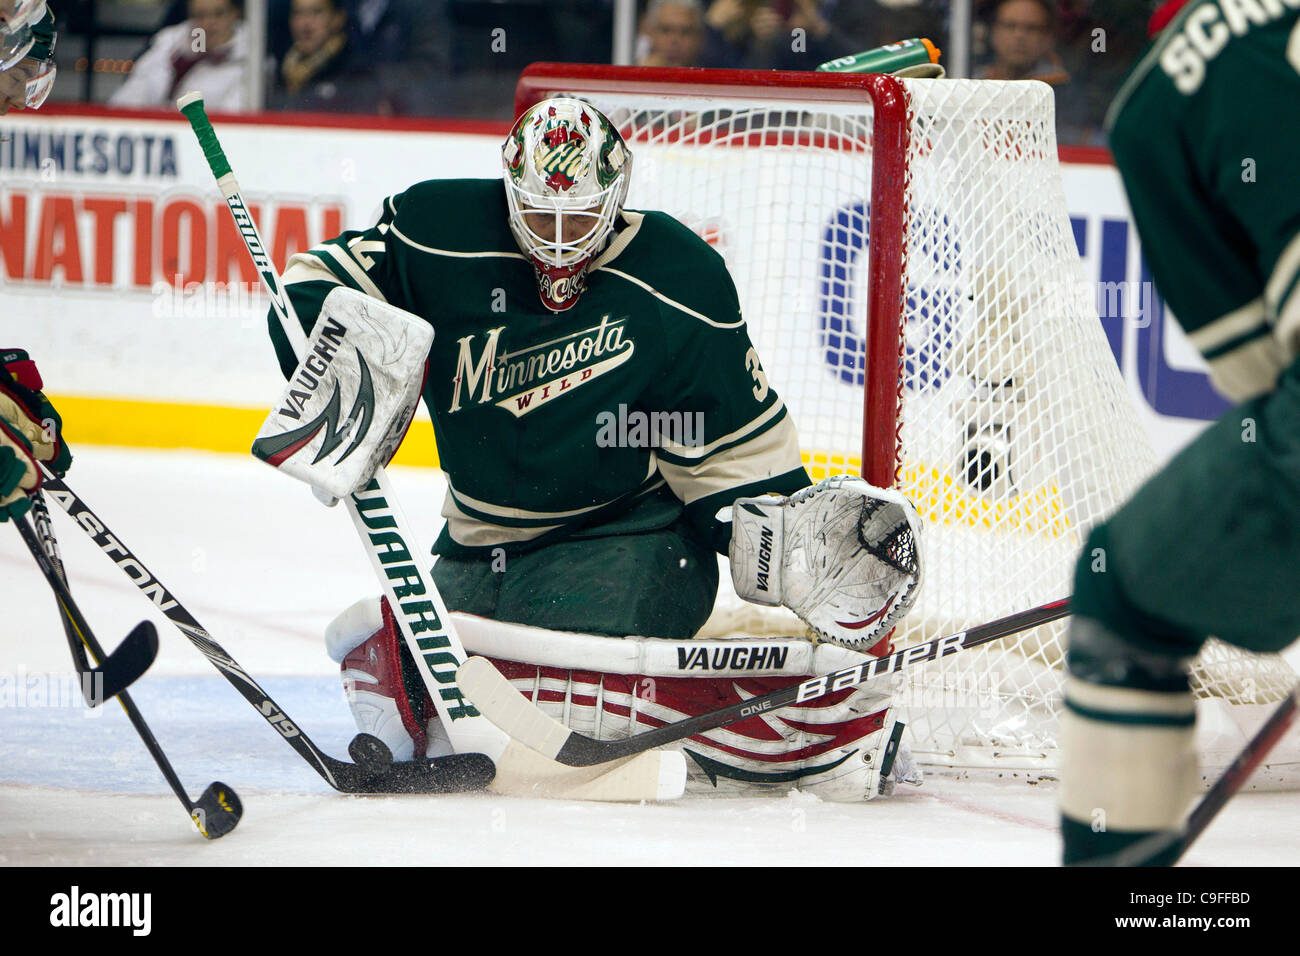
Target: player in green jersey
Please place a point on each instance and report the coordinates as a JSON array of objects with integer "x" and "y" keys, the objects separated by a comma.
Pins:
[
  {"x": 597, "y": 403},
  {"x": 1206, "y": 140}
]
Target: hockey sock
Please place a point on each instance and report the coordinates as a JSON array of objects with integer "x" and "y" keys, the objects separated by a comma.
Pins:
[{"x": 1129, "y": 764}]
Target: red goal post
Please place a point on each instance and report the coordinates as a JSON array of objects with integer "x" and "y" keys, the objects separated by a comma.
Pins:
[{"x": 967, "y": 360}]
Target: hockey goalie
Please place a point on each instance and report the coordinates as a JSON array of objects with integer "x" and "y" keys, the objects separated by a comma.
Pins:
[{"x": 606, "y": 429}]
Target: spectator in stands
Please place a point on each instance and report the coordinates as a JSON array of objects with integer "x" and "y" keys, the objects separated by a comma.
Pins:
[
  {"x": 408, "y": 43},
  {"x": 1099, "y": 41},
  {"x": 207, "y": 52},
  {"x": 319, "y": 72},
  {"x": 1022, "y": 37},
  {"x": 768, "y": 34},
  {"x": 858, "y": 25},
  {"x": 278, "y": 35},
  {"x": 389, "y": 31},
  {"x": 673, "y": 31}
]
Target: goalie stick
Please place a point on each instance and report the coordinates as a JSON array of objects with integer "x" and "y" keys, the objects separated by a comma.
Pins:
[
  {"x": 441, "y": 775},
  {"x": 128, "y": 661},
  {"x": 374, "y": 511},
  {"x": 526, "y": 722},
  {"x": 418, "y": 608},
  {"x": 218, "y": 809}
]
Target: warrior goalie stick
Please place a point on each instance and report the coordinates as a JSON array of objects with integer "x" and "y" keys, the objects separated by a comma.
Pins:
[
  {"x": 1144, "y": 852},
  {"x": 525, "y": 722},
  {"x": 441, "y": 775},
  {"x": 128, "y": 661},
  {"x": 421, "y": 615},
  {"x": 218, "y": 809}
]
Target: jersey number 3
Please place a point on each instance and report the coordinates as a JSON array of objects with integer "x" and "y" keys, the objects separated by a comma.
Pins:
[{"x": 756, "y": 370}]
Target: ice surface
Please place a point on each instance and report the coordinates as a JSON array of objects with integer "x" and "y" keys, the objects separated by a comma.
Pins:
[{"x": 264, "y": 567}]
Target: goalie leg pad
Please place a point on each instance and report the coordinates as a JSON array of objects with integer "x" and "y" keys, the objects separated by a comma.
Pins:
[
  {"x": 365, "y": 641},
  {"x": 839, "y": 746}
]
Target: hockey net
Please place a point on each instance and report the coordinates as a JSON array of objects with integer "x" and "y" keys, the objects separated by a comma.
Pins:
[{"x": 906, "y": 267}]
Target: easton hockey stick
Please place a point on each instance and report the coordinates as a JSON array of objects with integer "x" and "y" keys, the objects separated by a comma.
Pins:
[
  {"x": 527, "y": 723},
  {"x": 418, "y": 608},
  {"x": 218, "y": 809},
  {"x": 1155, "y": 847},
  {"x": 441, "y": 775},
  {"x": 128, "y": 661}
]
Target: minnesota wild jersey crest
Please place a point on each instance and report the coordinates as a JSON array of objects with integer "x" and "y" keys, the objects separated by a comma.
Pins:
[{"x": 534, "y": 375}]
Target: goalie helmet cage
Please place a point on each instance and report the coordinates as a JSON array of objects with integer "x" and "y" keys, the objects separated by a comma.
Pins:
[{"x": 906, "y": 267}]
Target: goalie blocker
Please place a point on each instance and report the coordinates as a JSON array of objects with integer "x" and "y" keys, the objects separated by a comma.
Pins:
[
  {"x": 368, "y": 357},
  {"x": 837, "y": 746}
]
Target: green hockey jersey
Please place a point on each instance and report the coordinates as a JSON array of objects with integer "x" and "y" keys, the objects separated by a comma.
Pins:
[
  {"x": 1209, "y": 168},
  {"x": 644, "y": 400}
]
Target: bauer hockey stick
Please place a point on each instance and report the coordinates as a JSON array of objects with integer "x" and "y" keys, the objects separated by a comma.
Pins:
[
  {"x": 128, "y": 661},
  {"x": 442, "y": 775},
  {"x": 526, "y": 722},
  {"x": 218, "y": 809},
  {"x": 418, "y": 608}
]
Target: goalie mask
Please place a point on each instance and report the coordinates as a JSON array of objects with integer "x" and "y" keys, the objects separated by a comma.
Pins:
[
  {"x": 566, "y": 176},
  {"x": 17, "y": 36}
]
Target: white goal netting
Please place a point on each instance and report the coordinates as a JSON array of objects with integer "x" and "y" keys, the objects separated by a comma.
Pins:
[{"x": 1015, "y": 432}]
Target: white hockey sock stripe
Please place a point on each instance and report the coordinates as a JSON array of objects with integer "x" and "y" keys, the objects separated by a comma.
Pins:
[
  {"x": 1129, "y": 704},
  {"x": 1129, "y": 757}
]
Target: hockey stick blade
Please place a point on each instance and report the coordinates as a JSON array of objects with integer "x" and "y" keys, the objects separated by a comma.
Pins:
[
  {"x": 124, "y": 664},
  {"x": 218, "y": 800},
  {"x": 115, "y": 672},
  {"x": 1156, "y": 847},
  {"x": 519, "y": 717},
  {"x": 343, "y": 776},
  {"x": 453, "y": 773},
  {"x": 217, "y": 811}
]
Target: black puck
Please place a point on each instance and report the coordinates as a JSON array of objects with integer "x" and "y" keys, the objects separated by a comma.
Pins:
[{"x": 370, "y": 753}]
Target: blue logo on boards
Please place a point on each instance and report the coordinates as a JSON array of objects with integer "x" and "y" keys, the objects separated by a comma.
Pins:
[{"x": 930, "y": 337}]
